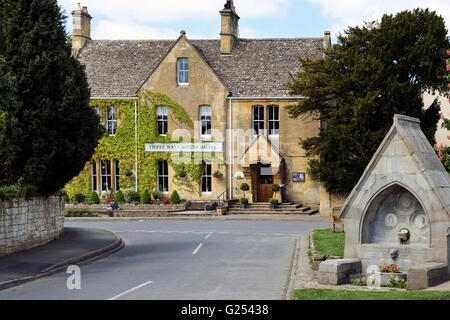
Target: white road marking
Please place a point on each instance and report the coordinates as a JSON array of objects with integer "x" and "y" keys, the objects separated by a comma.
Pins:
[
  {"x": 197, "y": 249},
  {"x": 208, "y": 235},
  {"x": 128, "y": 291}
]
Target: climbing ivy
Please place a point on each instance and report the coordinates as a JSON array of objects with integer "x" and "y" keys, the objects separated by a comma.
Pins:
[{"x": 122, "y": 145}]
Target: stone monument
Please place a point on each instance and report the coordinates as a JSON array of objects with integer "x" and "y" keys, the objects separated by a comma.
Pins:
[{"x": 398, "y": 213}]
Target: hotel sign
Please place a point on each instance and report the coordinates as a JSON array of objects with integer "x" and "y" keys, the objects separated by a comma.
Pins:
[{"x": 184, "y": 147}]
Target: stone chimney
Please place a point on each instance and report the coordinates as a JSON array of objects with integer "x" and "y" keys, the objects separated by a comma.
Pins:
[
  {"x": 81, "y": 27},
  {"x": 230, "y": 29},
  {"x": 327, "y": 39}
]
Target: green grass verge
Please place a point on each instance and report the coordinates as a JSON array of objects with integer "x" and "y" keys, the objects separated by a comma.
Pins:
[
  {"x": 328, "y": 242},
  {"x": 331, "y": 294}
]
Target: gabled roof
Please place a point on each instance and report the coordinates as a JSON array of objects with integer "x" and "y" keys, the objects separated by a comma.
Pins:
[
  {"x": 258, "y": 152},
  {"x": 256, "y": 67},
  {"x": 405, "y": 145}
]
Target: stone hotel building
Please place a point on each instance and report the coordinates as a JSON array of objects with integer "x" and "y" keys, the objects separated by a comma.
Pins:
[{"x": 218, "y": 105}]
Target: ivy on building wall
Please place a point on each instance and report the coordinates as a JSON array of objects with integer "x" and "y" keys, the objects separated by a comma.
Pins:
[{"x": 122, "y": 145}]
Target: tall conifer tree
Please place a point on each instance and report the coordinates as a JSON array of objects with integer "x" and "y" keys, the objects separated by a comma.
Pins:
[{"x": 59, "y": 131}]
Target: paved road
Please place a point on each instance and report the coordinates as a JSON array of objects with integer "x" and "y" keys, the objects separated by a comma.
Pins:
[{"x": 183, "y": 259}]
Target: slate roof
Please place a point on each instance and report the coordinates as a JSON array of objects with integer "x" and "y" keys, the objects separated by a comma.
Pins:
[{"x": 255, "y": 68}]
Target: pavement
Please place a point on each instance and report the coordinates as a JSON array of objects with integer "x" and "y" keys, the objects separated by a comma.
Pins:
[{"x": 75, "y": 246}]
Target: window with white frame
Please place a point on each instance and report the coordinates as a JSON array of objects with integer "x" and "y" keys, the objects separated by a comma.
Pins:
[
  {"x": 258, "y": 119},
  {"x": 163, "y": 176},
  {"x": 105, "y": 175},
  {"x": 116, "y": 175},
  {"x": 205, "y": 121},
  {"x": 206, "y": 177},
  {"x": 273, "y": 120},
  {"x": 94, "y": 175},
  {"x": 162, "y": 113},
  {"x": 183, "y": 71},
  {"x": 111, "y": 121}
]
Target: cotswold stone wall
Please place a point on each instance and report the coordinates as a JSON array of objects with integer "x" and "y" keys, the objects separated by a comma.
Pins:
[{"x": 25, "y": 224}]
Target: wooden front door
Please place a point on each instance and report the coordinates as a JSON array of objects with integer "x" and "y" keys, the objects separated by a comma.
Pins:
[{"x": 265, "y": 180}]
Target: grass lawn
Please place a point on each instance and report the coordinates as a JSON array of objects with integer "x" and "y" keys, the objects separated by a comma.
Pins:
[
  {"x": 331, "y": 294},
  {"x": 328, "y": 242}
]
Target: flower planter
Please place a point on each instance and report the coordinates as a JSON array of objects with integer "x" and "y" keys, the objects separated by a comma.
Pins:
[
  {"x": 273, "y": 205},
  {"x": 385, "y": 277},
  {"x": 244, "y": 205}
]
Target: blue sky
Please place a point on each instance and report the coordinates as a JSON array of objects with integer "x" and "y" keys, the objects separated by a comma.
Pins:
[{"x": 163, "y": 19}]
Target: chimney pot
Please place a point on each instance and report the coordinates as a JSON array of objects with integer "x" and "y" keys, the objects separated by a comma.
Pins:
[
  {"x": 81, "y": 27},
  {"x": 229, "y": 27}
]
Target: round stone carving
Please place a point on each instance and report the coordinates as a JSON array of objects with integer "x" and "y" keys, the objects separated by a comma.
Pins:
[
  {"x": 405, "y": 203},
  {"x": 390, "y": 220},
  {"x": 420, "y": 221}
]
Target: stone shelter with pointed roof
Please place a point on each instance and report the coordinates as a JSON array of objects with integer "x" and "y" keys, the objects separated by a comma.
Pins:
[
  {"x": 228, "y": 94},
  {"x": 399, "y": 211}
]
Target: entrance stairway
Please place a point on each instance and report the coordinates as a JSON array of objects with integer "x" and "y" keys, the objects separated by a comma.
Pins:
[{"x": 264, "y": 208}]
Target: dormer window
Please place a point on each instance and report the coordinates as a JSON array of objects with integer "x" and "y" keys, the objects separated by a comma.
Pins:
[{"x": 183, "y": 71}]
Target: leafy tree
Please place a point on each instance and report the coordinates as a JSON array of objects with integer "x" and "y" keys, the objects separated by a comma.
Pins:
[
  {"x": 357, "y": 87},
  {"x": 9, "y": 106},
  {"x": 444, "y": 151},
  {"x": 58, "y": 129}
]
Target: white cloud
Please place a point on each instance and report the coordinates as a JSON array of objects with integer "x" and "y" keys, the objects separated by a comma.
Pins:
[
  {"x": 130, "y": 31},
  {"x": 141, "y": 19},
  {"x": 354, "y": 12},
  {"x": 248, "y": 32},
  {"x": 156, "y": 11}
]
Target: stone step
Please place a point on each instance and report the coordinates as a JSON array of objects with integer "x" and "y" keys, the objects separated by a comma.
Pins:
[
  {"x": 251, "y": 205},
  {"x": 269, "y": 211},
  {"x": 265, "y": 209}
]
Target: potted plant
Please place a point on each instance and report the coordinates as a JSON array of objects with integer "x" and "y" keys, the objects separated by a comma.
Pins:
[
  {"x": 217, "y": 174},
  {"x": 244, "y": 187},
  {"x": 275, "y": 188},
  {"x": 273, "y": 203},
  {"x": 244, "y": 202},
  {"x": 391, "y": 273}
]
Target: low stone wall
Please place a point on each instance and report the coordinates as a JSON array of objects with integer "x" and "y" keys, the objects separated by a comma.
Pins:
[
  {"x": 25, "y": 224},
  {"x": 128, "y": 207}
]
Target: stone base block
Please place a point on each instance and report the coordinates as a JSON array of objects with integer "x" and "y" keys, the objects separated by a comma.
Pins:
[
  {"x": 427, "y": 275},
  {"x": 338, "y": 271}
]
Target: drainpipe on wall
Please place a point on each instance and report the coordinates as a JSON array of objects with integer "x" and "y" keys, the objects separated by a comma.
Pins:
[
  {"x": 136, "y": 142},
  {"x": 230, "y": 145}
]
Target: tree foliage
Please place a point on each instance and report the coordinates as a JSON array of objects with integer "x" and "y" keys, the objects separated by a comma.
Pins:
[
  {"x": 58, "y": 129},
  {"x": 361, "y": 82},
  {"x": 9, "y": 105}
]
